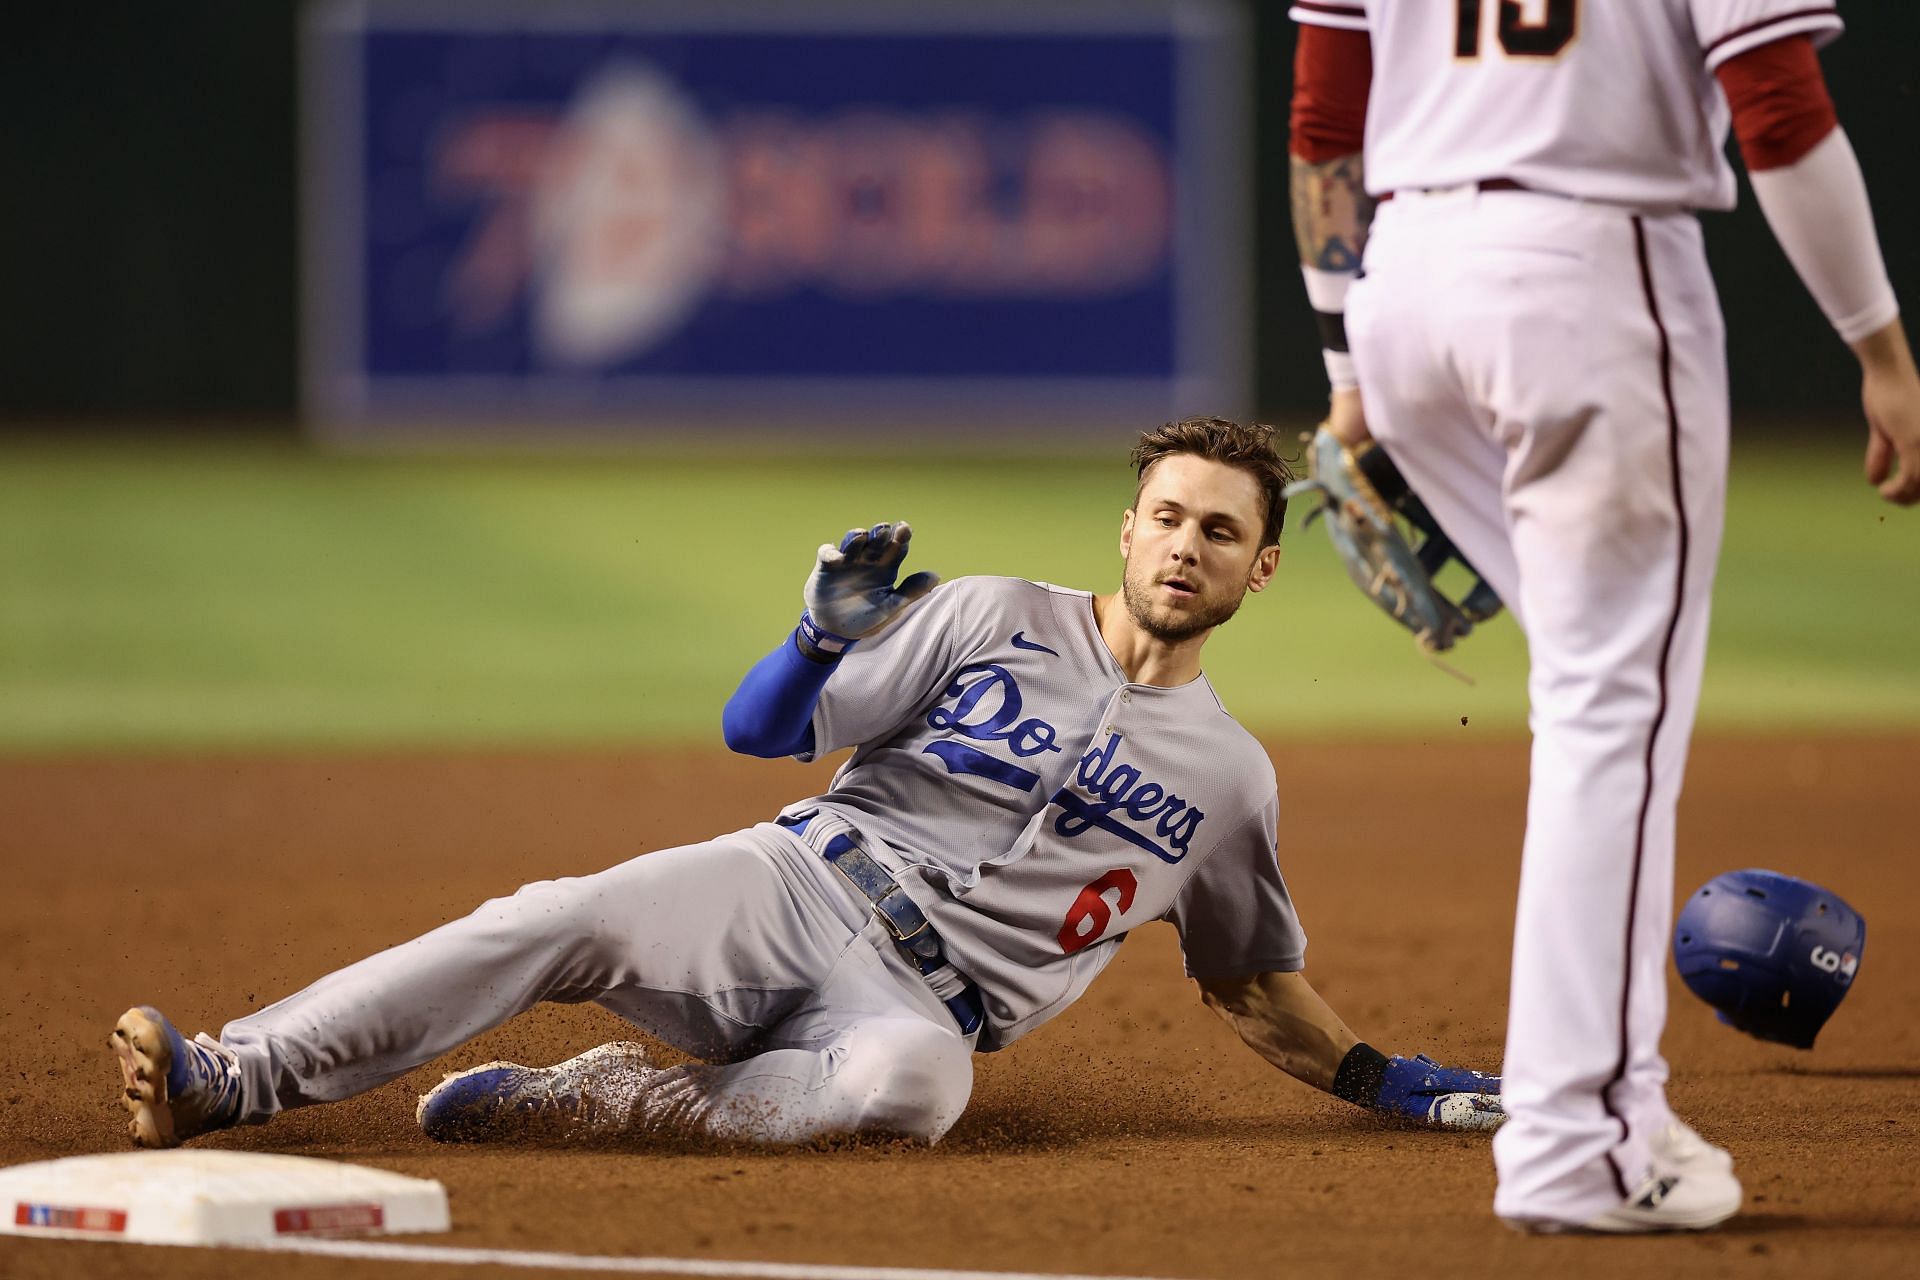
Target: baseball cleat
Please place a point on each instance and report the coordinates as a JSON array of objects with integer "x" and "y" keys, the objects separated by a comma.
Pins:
[
  {"x": 173, "y": 1088},
  {"x": 1690, "y": 1187},
  {"x": 595, "y": 1093}
]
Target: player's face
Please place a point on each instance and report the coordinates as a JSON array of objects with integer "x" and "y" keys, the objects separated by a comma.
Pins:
[{"x": 1192, "y": 547}]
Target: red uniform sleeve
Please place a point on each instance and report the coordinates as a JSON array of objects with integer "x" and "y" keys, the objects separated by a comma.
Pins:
[
  {"x": 1332, "y": 72},
  {"x": 1779, "y": 98}
]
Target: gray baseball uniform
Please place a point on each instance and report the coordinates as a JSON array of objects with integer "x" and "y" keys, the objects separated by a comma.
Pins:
[
  {"x": 1033, "y": 804},
  {"x": 1036, "y": 806}
]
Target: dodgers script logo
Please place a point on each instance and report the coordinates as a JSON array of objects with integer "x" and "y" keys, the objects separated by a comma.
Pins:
[
  {"x": 1115, "y": 791},
  {"x": 984, "y": 704}
]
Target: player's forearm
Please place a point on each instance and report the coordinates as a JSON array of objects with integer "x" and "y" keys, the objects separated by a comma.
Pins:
[
  {"x": 1810, "y": 187},
  {"x": 1281, "y": 1018},
  {"x": 1808, "y": 182},
  {"x": 771, "y": 713},
  {"x": 1818, "y": 210},
  {"x": 1331, "y": 215},
  {"x": 1331, "y": 211},
  {"x": 1332, "y": 77}
]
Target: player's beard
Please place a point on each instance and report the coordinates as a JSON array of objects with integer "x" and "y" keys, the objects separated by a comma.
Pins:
[{"x": 1166, "y": 624}]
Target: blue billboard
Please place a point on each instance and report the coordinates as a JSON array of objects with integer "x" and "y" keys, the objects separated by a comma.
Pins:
[{"x": 567, "y": 219}]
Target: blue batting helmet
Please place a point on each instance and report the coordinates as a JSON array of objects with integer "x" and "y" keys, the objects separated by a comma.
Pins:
[{"x": 1773, "y": 954}]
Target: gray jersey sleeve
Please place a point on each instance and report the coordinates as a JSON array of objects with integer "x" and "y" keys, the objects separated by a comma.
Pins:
[
  {"x": 1235, "y": 916},
  {"x": 890, "y": 676}
]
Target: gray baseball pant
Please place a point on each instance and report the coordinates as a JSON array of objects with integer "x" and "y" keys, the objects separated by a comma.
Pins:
[{"x": 748, "y": 951}]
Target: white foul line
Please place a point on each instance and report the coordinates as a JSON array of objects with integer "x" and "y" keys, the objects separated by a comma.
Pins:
[{"x": 385, "y": 1251}]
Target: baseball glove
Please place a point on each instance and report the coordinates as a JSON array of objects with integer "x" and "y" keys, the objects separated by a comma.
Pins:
[{"x": 1364, "y": 497}]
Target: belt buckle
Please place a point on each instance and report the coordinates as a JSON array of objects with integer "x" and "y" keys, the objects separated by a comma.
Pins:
[
  {"x": 893, "y": 926},
  {"x": 898, "y": 936}
]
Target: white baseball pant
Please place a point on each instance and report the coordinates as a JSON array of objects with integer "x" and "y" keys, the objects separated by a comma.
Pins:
[
  {"x": 748, "y": 950},
  {"x": 1550, "y": 375}
]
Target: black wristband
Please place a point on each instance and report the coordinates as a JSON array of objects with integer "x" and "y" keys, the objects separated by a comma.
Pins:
[
  {"x": 1333, "y": 330},
  {"x": 1360, "y": 1075}
]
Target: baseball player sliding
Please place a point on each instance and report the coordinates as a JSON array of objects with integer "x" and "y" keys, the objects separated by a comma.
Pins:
[
  {"x": 1035, "y": 771},
  {"x": 1536, "y": 341}
]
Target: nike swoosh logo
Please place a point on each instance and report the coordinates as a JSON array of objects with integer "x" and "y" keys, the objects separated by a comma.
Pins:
[
  {"x": 1656, "y": 1193},
  {"x": 1020, "y": 641}
]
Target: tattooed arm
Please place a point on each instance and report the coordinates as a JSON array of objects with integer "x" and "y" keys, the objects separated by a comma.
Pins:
[
  {"x": 1331, "y": 212},
  {"x": 1333, "y": 70}
]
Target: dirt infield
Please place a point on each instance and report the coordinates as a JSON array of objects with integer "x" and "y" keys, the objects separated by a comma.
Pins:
[{"x": 1133, "y": 1136}]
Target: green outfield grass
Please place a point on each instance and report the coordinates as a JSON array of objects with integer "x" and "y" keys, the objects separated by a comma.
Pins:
[{"x": 222, "y": 595}]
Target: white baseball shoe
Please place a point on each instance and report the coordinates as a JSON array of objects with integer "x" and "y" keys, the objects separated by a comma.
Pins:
[
  {"x": 595, "y": 1093},
  {"x": 1690, "y": 1187}
]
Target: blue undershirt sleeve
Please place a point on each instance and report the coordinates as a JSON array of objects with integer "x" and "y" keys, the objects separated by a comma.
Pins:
[{"x": 771, "y": 714}]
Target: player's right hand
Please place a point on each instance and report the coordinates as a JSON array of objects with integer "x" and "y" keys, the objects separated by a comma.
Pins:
[{"x": 851, "y": 592}]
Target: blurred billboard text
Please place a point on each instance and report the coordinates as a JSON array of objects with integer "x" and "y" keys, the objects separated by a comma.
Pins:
[{"x": 904, "y": 212}]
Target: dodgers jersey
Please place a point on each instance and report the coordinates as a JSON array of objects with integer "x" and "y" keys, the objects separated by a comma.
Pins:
[
  {"x": 1036, "y": 805},
  {"x": 1606, "y": 100}
]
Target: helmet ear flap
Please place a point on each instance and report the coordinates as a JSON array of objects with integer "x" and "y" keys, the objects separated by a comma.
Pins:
[{"x": 1772, "y": 954}]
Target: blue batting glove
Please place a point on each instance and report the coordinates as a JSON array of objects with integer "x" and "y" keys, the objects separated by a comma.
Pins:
[
  {"x": 851, "y": 592},
  {"x": 1449, "y": 1097}
]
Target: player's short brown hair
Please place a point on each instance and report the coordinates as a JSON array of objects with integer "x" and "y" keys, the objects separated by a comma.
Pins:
[{"x": 1248, "y": 448}]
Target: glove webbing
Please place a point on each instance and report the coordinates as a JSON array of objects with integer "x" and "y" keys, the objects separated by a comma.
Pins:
[{"x": 1378, "y": 469}]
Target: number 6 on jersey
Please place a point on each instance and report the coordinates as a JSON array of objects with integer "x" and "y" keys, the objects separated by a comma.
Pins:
[{"x": 1089, "y": 917}]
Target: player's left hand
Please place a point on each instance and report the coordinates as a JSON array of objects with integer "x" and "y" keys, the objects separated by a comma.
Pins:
[
  {"x": 1347, "y": 418},
  {"x": 1419, "y": 1088},
  {"x": 851, "y": 592},
  {"x": 1890, "y": 394},
  {"x": 1891, "y": 398}
]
